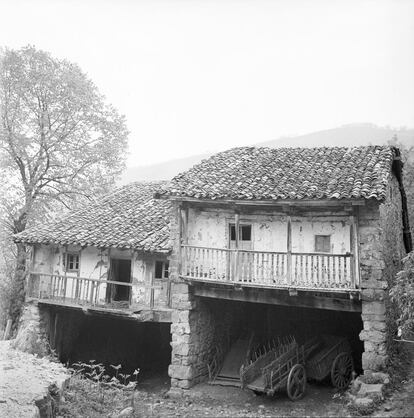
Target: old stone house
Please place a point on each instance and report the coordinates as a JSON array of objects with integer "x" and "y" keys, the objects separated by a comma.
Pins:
[
  {"x": 252, "y": 243},
  {"x": 107, "y": 260},
  {"x": 284, "y": 241}
]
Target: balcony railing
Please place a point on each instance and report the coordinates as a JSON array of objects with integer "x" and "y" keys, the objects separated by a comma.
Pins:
[
  {"x": 307, "y": 271},
  {"x": 71, "y": 290}
]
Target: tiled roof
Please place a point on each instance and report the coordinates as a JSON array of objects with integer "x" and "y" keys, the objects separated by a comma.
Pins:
[
  {"x": 129, "y": 218},
  {"x": 252, "y": 173}
]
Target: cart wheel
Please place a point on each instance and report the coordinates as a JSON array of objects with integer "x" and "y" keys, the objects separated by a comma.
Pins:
[
  {"x": 296, "y": 383},
  {"x": 341, "y": 371}
]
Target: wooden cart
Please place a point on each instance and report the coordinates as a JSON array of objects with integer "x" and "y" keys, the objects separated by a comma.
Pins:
[
  {"x": 282, "y": 367},
  {"x": 332, "y": 358}
]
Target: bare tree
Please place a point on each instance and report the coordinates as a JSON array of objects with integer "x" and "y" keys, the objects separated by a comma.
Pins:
[{"x": 59, "y": 141}]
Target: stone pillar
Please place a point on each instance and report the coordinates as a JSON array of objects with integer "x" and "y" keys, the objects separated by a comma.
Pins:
[
  {"x": 373, "y": 290},
  {"x": 32, "y": 332},
  {"x": 381, "y": 251},
  {"x": 183, "y": 328}
]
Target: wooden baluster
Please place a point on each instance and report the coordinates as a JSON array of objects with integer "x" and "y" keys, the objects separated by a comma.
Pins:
[
  {"x": 217, "y": 273},
  {"x": 271, "y": 264},
  {"x": 257, "y": 265},
  {"x": 322, "y": 270},
  {"x": 345, "y": 272},
  {"x": 242, "y": 263},
  {"x": 91, "y": 292},
  {"x": 208, "y": 264},
  {"x": 98, "y": 291},
  {"x": 198, "y": 266},
  {"x": 302, "y": 270},
  {"x": 328, "y": 270},
  {"x": 317, "y": 270},
  {"x": 312, "y": 270},
  {"x": 183, "y": 253},
  {"x": 202, "y": 263},
  {"x": 272, "y": 268},
  {"x": 339, "y": 271},
  {"x": 190, "y": 257},
  {"x": 197, "y": 262},
  {"x": 193, "y": 261},
  {"x": 307, "y": 270}
]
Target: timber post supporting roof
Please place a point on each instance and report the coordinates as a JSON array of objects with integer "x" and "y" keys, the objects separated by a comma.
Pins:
[
  {"x": 254, "y": 173},
  {"x": 127, "y": 218}
]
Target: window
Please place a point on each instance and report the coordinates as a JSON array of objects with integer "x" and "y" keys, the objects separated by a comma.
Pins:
[
  {"x": 322, "y": 243},
  {"x": 71, "y": 261},
  {"x": 161, "y": 269},
  {"x": 245, "y": 237},
  {"x": 245, "y": 232}
]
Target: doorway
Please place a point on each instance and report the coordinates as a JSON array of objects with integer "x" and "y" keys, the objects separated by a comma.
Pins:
[{"x": 120, "y": 271}]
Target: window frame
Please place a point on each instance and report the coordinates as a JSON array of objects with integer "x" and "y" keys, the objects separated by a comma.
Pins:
[
  {"x": 323, "y": 250},
  {"x": 241, "y": 226},
  {"x": 66, "y": 261},
  {"x": 165, "y": 272}
]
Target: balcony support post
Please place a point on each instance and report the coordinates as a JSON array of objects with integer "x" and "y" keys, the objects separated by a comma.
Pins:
[
  {"x": 180, "y": 238},
  {"x": 236, "y": 253},
  {"x": 289, "y": 250},
  {"x": 65, "y": 272},
  {"x": 354, "y": 251}
]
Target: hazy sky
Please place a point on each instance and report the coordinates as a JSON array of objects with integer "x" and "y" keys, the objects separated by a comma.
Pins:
[{"x": 195, "y": 76}]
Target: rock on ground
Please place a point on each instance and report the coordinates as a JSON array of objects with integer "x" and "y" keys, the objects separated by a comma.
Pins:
[{"x": 25, "y": 379}]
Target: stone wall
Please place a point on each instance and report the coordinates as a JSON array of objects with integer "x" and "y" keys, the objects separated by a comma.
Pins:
[
  {"x": 197, "y": 326},
  {"x": 381, "y": 250},
  {"x": 32, "y": 335},
  {"x": 195, "y": 329},
  {"x": 43, "y": 329}
]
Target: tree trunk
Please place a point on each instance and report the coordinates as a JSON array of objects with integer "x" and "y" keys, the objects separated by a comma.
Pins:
[
  {"x": 18, "y": 287},
  {"x": 18, "y": 284}
]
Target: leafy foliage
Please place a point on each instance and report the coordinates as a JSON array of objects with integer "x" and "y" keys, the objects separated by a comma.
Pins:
[
  {"x": 403, "y": 294},
  {"x": 60, "y": 142},
  {"x": 58, "y": 137}
]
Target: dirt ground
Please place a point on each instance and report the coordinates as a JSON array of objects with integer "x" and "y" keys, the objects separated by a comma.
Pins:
[
  {"x": 23, "y": 379},
  {"x": 218, "y": 401},
  {"x": 401, "y": 403}
]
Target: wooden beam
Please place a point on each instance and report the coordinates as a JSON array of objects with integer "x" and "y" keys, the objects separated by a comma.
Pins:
[
  {"x": 236, "y": 253},
  {"x": 275, "y": 297},
  {"x": 180, "y": 238},
  {"x": 289, "y": 249},
  {"x": 277, "y": 202},
  {"x": 355, "y": 245}
]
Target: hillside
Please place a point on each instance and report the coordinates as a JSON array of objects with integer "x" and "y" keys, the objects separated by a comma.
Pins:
[{"x": 346, "y": 136}]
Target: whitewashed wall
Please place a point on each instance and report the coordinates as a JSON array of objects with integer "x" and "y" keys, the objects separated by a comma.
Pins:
[
  {"x": 269, "y": 232},
  {"x": 94, "y": 264}
]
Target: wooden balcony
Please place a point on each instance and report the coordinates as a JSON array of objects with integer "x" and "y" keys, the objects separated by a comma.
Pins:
[
  {"x": 278, "y": 270},
  {"x": 100, "y": 295}
]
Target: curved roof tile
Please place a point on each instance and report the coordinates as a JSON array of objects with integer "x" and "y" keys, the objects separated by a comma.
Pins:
[
  {"x": 128, "y": 218},
  {"x": 254, "y": 173}
]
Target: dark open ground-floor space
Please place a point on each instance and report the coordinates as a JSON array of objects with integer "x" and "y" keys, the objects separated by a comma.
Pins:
[
  {"x": 261, "y": 323},
  {"x": 79, "y": 337}
]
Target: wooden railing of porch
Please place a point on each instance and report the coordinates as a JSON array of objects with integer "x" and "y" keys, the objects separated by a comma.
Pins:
[
  {"x": 309, "y": 271},
  {"x": 73, "y": 290}
]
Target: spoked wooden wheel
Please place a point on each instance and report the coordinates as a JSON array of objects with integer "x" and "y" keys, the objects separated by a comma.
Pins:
[
  {"x": 341, "y": 371},
  {"x": 296, "y": 383}
]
